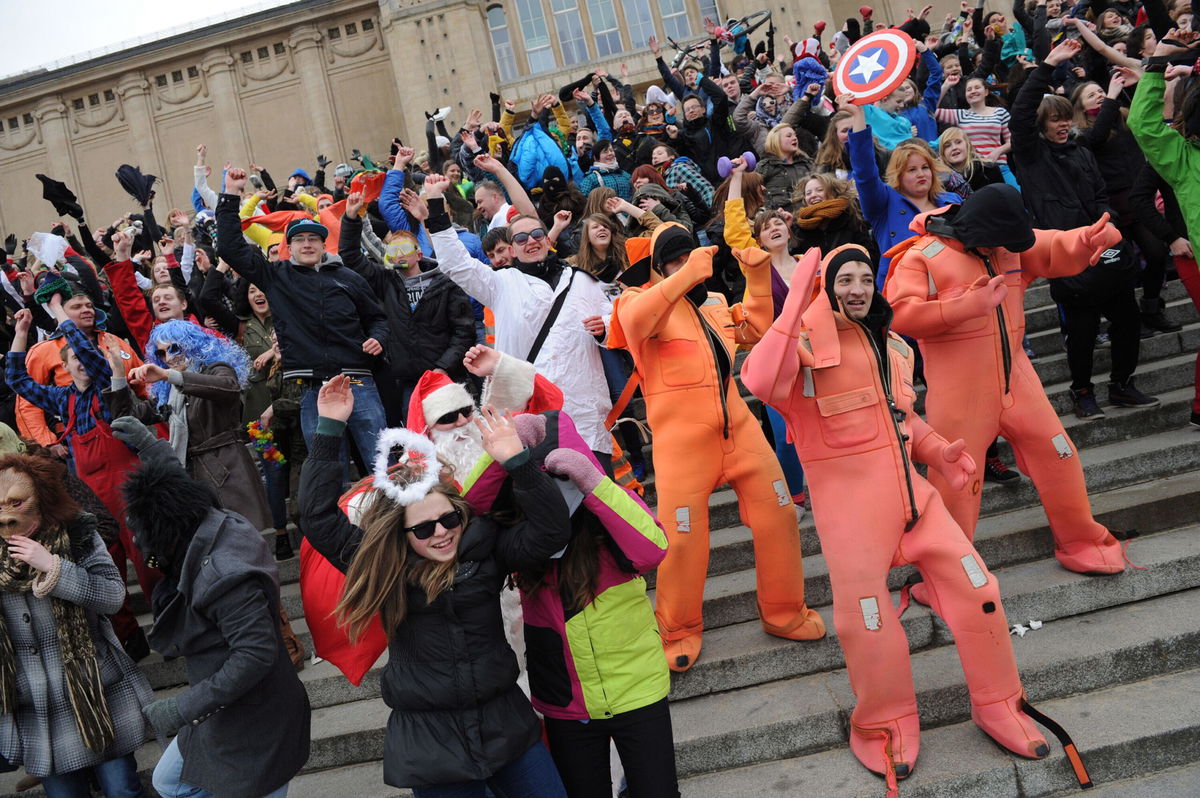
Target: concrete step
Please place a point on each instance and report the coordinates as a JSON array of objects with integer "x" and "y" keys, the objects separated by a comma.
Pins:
[
  {"x": 1180, "y": 782},
  {"x": 1123, "y": 732},
  {"x": 1038, "y": 294},
  {"x": 1179, "y": 309},
  {"x": 356, "y": 781},
  {"x": 1052, "y": 366},
  {"x": 741, "y": 654},
  {"x": 1154, "y": 379},
  {"x": 1079, "y": 651}
]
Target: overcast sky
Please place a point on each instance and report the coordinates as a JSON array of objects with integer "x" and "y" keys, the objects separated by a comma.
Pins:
[{"x": 42, "y": 33}]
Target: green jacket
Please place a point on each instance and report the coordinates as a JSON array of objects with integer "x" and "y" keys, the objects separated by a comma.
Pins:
[{"x": 1171, "y": 155}]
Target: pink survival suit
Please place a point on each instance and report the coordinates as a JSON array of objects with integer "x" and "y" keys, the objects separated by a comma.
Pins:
[
  {"x": 846, "y": 394},
  {"x": 960, "y": 293}
]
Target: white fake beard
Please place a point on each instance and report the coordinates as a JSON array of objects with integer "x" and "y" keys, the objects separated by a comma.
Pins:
[{"x": 460, "y": 447}]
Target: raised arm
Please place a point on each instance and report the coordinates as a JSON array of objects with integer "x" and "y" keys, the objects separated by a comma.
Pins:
[
  {"x": 773, "y": 365},
  {"x": 246, "y": 260},
  {"x": 642, "y": 314}
]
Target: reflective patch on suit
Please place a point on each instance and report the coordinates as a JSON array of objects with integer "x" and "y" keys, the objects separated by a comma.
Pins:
[
  {"x": 683, "y": 519},
  {"x": 932, "y": 285},
  {"x": 870, "y": 613},
  {"x": 933, "y": 249},
  {"x": 974, "y": 571},
  {"x": 810, "y": 389},
  {"x": 781, "y": 495},
  {"x": 1062, "y": 446}
]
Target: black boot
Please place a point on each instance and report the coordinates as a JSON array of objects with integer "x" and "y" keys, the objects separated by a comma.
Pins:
[
  {"x": 1154, "y": 320},
  {"x": 137, "y": 647},
  {"x": 283, "y": 547}
]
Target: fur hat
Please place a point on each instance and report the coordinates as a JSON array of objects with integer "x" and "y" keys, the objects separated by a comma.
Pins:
[{"x": 435, "y": 396}]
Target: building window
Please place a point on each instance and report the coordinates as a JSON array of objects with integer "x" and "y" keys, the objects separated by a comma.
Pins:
[
  {"x": 12, "y": 120},
  {"x": 351, "y": 29},
  {"x": 177, "y": 76},
  {"x": 26, "y": 118},
  {"x": 263, "y": 52},
  {"x": 640, "y": 21},
  {"x": 108, "y": 95},
  {"x": 247, "y": 57},
  {"x": 334, "y": 33},
  {"x": 708, "y": 8},
  {"x": 506, "y": 63},
  {"x": 77, "y": 104},
  {"x": 93, "y": 99},
  {"x": 161, "y": 81},
  {"x": 604, "y": 27},
  {"x": 536, "y": 35},
  {"x": 368, "y": 24},
  {"x": 279, "y": 48},
  {"x": 570, "y": 31},
  {"x": 675, "y": 20},
  {"x": 193, "y": 73}
]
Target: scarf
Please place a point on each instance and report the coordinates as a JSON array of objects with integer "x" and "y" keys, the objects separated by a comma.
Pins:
[
  {"x": 812, "y": 217},
  {"x": 766, "y": 117},
  {"x": 81, "y": 669},
  {"x": 177, "y": 426}
]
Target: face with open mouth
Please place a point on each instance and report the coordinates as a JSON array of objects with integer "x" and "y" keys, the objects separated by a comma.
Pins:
[
  {"x": 433, "y": 510},
  {"x": 258, "y": 300},
  {"x": 854, "y": 286}
]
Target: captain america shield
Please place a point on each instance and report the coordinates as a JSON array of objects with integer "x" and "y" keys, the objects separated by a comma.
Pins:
[{"x": 875, "y": 65}]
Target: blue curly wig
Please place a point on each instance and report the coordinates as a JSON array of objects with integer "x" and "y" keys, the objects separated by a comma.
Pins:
[{"x": 200, "y": 346}]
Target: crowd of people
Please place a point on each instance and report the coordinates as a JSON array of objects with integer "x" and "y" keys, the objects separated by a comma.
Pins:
[{"x": 462, "y": 325}]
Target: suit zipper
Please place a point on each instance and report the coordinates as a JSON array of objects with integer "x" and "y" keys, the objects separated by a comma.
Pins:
[
  {"x": 1005, "y": 352},
  {"x": 711, "y": 336},
  {"x": 895, "y": 413}
]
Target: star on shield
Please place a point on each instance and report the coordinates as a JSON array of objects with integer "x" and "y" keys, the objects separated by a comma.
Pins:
[{"x": 868, "y": 65}]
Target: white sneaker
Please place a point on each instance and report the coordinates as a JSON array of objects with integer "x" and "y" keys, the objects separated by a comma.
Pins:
[{"x": 441, "y": 113}]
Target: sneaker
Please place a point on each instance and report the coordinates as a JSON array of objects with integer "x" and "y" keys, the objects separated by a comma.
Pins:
[
  {"x": 283, "y": 548},
  {"x": 1102, "y": 341},
  {"x": 440, "y": 114},
  {"x": 137, "y": 647},
  {"x": 996, "y": 471},
  {"x": 1086, "y": 407},
  {"x": 1128, "y": 395},
  {"x": 1154, "y": 319}
]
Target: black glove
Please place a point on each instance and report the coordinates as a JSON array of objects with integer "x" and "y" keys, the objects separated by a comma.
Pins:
[
  {"x": 322, "y": 161},
  {"x": 133, "y": 433},
  {"x": 164, "y": 716}
]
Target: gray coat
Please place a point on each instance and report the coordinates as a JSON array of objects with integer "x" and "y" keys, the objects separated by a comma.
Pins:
[
  {"x": 42, "y": 733},
  {"x": 247, "y": 714}
]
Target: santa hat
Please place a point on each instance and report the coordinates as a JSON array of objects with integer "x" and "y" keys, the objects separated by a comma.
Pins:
[{"x": 435, "y": 396}]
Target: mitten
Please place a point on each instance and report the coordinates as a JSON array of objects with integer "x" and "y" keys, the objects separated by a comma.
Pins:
[
  {"x": 164, "y": 716},
  {"x": 133, "y": 433},
  {"x": 576, "y": 467},
  {"x": 531, "y": 429},
  {"x": 752, "y": 257}
]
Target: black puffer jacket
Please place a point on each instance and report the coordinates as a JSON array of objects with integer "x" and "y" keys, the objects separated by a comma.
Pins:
[
  {"x": 434, "y": 335},
  {"x": 451, "y": 679}
]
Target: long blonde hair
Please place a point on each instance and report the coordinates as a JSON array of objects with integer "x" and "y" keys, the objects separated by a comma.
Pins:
[
  {"x": 900, "y": 157},
  {"x": 383, "y": 567}
]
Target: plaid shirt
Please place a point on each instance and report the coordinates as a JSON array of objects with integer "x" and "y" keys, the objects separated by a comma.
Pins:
[{"x": 57, "y": 398}]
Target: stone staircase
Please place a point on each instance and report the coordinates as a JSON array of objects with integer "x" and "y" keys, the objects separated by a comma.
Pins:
[{"x": 1116, "y": 661}]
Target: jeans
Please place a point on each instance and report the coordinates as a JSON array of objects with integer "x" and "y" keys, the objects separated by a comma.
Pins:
[
  {"x": 277, "y": 476},
  {"x": 365, "y": 421},
  {"x": 786, "y": 453},
  {"x": 118, "y": 779},
  {"x": 531, "y": 775},
  {"x": 643, "y": 740},
  {"x": 167, "y": 778}
]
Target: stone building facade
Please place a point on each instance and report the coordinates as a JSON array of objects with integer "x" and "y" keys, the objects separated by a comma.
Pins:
[{"x": 279, "y": 86}]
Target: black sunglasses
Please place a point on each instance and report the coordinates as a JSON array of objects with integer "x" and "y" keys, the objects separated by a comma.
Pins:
[
  {"x": 520, "y": 238},
  {"x": 172, "y": 350},
  {"x": 452, "y": 416},
  {"x": 425, "y": 529}
]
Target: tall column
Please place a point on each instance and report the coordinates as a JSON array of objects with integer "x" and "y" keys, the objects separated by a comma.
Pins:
[
  {"x": 51, "y": 115},
  {"x": 305, "y": 42},
  {"x": 230, "y": 142},
  {"x": 134, "y": 91}
]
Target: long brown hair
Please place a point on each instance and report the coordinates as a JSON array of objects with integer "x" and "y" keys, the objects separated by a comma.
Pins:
[
  {"x": 383, "y": 566},
  {"x": 596, "y": 199},
  {"x": 753, "y": 197},
  {"x": 832, "y": 153},
  {"x": 578, "y": 568},
  {"x": 588, "y": 258}
]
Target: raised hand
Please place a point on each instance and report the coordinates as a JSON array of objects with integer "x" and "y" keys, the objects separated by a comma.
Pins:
[
  {"x": 481, "y": 360},
  {"x": 404, "y": 156},
  {"x": 122, "y": 246},
  {"x": 354, "y": 203},
  {"x": 655, "y": 50},
  {"x": 24, "y": 320},
  {"x": 1065, "y": 51},
  {"x": 414, "y": 204},
  {"x": 1099, "y": 237},
  {"x": 500, "y": 439},
  {"x": 485, "y": 162},
  {"x": 235, "y": 181},
  {"x": 335, "y": 399},
  {"x": 437, "y": 185}
]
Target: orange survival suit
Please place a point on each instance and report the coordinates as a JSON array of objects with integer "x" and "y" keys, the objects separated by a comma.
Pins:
[
  {"x": 683, "y": 341},
  {"x": 845, "y": 389},
  {"x": 959, "y": 289}
]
